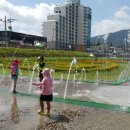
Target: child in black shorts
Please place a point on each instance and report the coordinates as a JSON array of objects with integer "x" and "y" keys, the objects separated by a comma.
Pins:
[{"x": 46, "y": 88}]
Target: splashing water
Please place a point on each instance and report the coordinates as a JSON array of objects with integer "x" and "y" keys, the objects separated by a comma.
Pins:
[
  {"x": 3, "y": 71},
  {"x": 62, "y": 77},
  {"x": 74, "y": 62},
  {"x": 83, "y": 74},
  {"x": 124, "y": 74},
  {"x": 15, "y": 52},
  {"x": 34, "y": 68},
  {"x": 97, "y": 77}
]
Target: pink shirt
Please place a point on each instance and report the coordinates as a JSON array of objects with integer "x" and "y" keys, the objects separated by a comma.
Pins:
[
  {"x": 46, "y": 86},
  {"x": 14, "y": 69}
]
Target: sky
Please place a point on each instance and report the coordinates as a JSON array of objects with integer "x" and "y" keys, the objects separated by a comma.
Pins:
[{"x": 107, "y": 15}]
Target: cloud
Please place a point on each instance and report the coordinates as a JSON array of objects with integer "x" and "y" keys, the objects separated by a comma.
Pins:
[
  {"x": 27, "y": 19},
  {"x": 119, "y": 21},
  {"x": 123, "y": 13}
]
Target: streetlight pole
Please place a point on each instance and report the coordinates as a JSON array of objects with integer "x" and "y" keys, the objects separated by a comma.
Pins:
[
  {"x": 5, "y": 20},
  {"x": 10, "y": 20}
]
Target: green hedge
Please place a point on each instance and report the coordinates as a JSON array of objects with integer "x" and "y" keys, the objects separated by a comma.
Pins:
[{"x": 20, "y": 52}]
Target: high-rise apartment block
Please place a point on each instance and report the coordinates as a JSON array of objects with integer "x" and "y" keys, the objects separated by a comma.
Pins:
[{"x": 69, "y": 28}]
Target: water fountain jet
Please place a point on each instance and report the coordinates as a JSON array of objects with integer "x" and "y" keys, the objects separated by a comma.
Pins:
[{"x": 73, "y": 62}]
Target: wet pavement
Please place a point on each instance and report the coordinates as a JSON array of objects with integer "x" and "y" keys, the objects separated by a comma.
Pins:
[{"x": 91, "y": 106}]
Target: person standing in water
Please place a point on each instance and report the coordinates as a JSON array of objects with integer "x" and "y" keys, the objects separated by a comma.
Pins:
[
  {"x": 14, "y": 74},
  {"x": 46, "y": 88},
  {"x": 41, "y": 65}
]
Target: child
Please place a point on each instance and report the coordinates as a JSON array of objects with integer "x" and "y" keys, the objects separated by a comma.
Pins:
[
  {"x": 41, "y": 66},
  {"x": 46, "y": 88},
  {"x": 14, "y": 74}
]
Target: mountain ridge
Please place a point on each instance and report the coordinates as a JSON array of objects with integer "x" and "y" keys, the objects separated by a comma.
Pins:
[{"x": 115, "y": 39}]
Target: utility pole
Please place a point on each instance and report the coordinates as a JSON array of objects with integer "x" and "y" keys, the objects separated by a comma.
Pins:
[{"x": 5, "y": 20}]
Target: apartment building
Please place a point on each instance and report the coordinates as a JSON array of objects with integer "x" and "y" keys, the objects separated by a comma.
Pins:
[{"x": 69, "y": 28}]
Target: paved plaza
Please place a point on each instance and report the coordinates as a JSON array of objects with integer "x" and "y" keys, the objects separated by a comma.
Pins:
[{"x": 86, "y": 107}]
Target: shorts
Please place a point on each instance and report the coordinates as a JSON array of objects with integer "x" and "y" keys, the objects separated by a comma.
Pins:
[
  {"x": 46, "y": 97},
  {"x": 14, "y": 77}
]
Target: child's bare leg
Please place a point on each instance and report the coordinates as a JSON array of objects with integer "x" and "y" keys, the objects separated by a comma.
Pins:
[
  {"x": 14, "y": 86},
  {"x": 42, "y": 105},
  {"x": 48, "y": 106}
]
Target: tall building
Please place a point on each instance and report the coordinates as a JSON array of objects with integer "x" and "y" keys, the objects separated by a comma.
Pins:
[{"x": 69, "y": 28}]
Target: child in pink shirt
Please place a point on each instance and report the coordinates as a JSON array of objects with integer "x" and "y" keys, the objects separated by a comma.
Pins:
[
  {"x": 46, "y": 88},
  {"x": 14, "y": 74}
]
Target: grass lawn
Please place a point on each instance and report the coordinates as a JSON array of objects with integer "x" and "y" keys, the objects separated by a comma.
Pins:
[{"x": 86, "y": 69}]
